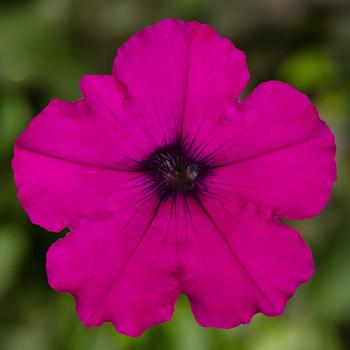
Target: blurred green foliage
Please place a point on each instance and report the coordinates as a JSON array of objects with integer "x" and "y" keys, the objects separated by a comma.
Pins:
[{"x": 47, "y": 45}]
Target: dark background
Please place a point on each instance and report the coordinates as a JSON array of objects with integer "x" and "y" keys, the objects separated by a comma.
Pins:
[{"x": 47, "y": 45}]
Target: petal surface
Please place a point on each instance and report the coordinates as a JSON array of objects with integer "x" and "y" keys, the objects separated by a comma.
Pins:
[
  {"x": 179, "y": 78},
  {"x": 72, "y": 162},
  {"x": 240, "y": 262},
  {"x": 107, "y": 98},
  {"x": 280, "y": 154},
  {"x": 122, "y": 269}
]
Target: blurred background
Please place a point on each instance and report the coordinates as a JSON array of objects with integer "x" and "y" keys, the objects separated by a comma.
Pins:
[{"x": 47, "y": 45}]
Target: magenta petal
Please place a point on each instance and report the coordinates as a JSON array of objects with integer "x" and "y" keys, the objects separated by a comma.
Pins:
[
  {"x": 240, "y": 263},
  {"x": 180, "y": 77},
  {"x": 283, "y": 156},
  {"x": 106, "y": 97},
  {"x": 71, "y": 163},
  {"x": 120, "y": 269}
]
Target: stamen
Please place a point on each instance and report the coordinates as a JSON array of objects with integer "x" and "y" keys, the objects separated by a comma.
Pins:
[{"x": 173, "y": 171}]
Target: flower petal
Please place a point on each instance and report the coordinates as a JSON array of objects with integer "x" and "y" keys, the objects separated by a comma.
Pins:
[
  {"x": 179, "y": 78},
  {"x": 282, "y": 154},
  {"x": 106, "y": 96},
  {"x": 121, "y": 269},
  {"x": 240, "y": 263},
  {"x": 71, "y": 163}
]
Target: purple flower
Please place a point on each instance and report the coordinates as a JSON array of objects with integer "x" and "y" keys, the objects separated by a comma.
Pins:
[{"x": 170, "y": 184}]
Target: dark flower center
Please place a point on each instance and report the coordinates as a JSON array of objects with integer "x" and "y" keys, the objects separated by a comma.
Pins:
[{"x": 173, "y": 171}]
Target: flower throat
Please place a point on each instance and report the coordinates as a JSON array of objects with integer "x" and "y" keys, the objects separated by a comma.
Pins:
[{"x": 173, "y": 171}]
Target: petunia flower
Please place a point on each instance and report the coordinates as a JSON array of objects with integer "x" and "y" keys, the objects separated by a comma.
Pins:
[{"x": 171, "y": 184}]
